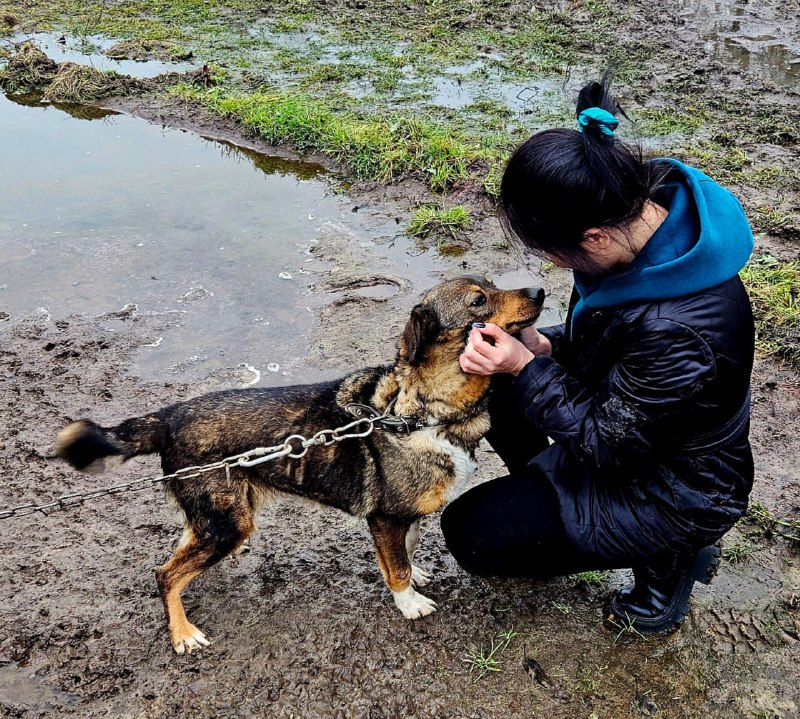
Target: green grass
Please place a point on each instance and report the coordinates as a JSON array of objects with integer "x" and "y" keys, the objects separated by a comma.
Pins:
[
  {"x": 773, "y": 220},
  {"x": 729, "y": 164},
  {"x": 385, "y": 148},
  {"x": 437, "y": 220},
  {"x": 483, "y": 660},
  {"x": 739, "y": 552},
  {"x": 774, "y": 289},
  {"x": 562, "y": 607},
  {"x": 759, "y": 522},
  {"x": 657, "y": 122},
  {"x": 594, "y": 578},
  {"x": 625, "y": 628},
  {"x": 724, "y": 163},
  {"x": 589, "y": 684}
]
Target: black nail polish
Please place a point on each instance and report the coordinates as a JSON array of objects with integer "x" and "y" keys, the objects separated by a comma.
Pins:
[{"x": 479, "y": 324}]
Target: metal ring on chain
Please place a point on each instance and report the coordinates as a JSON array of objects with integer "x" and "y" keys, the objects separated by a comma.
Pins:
[{"x": 288, "y": 444}]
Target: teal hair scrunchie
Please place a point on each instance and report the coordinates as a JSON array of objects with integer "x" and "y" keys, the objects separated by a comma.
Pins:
[{"x": 608, "y": 123}]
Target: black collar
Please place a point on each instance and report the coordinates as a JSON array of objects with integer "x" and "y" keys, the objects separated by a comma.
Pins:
[{"x": 404, "y": 424}]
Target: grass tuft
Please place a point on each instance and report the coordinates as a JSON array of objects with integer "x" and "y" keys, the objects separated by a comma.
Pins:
[
  {"x": 484, "y": 660},
  {"x": 657, "y": 122},
  {"x": 739, "y": 552},
  {"x": 437, "y": 220},
  {"x": 594, "y": 578},
  {"x": 758, "y": 521}
]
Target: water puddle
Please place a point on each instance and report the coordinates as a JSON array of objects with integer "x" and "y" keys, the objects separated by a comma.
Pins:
[
  {"x": 219, "y": 240},
  {"x": 453, "y": 87},
  {"x": 20, "y": 687},
  {"x": 460, "y": 86},
  {"x": 758, "y": 37},
  {"x": 89, "y": 51}
]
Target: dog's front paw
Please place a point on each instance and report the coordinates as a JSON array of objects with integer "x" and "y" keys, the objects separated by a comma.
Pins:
[
  {"x": 187, "y": 639},
  {"x": 419, "y": 577},
  {"x": 412, "y": 604}
]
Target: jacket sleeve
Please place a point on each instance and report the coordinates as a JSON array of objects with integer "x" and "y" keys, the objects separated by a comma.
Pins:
[{"x": 661, "y": 367}]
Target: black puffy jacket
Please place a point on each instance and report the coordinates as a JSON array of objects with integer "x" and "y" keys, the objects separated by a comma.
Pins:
[{"x": 648, "y": 408}]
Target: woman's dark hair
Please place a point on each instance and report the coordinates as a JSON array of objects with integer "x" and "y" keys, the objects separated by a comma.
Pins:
[{"x": 560, "y": 183}]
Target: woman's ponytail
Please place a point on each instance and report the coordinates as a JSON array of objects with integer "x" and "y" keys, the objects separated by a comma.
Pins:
[{"x": 596, "y": 110}]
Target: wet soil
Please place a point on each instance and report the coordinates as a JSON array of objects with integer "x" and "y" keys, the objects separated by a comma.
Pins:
[{"x": 301, "y": 624}]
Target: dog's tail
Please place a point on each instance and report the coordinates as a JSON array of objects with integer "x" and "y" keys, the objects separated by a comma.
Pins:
[{"x": 85, "y": 445}]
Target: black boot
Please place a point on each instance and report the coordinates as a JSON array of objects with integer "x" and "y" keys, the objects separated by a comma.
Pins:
[{"x": 658, "y": 601}]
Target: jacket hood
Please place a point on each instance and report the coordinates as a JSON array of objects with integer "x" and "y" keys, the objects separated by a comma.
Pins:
[{"x": 704, "y": 241}]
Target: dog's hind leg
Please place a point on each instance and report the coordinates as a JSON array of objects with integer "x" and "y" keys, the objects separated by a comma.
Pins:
[
  {"x": 202, "y": 546},
  {"x": 419, "y": 577},
  {"x": 389, "y": 535}
]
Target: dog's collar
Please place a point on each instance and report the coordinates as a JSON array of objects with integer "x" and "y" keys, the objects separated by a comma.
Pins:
[{"x": 400, "y": 424}]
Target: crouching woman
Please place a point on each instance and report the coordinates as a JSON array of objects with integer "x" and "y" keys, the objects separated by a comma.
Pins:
[{"x": 643, "y": 391}]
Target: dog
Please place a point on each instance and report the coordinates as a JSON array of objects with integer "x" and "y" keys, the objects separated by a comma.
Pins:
[{"x": 418, "y": 460}]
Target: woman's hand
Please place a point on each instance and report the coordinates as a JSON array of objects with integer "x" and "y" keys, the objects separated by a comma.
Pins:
[{"x": 507, "y": 354}]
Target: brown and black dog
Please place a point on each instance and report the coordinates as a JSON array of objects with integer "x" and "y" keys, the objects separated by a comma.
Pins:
[{"x": 391, "y": 478}]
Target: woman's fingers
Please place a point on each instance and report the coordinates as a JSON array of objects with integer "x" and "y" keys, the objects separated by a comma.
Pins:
[
  {"x": 475, "y": 363},
  {"x": 507, "y": 354},
  {"x": 480, "y": 345}
]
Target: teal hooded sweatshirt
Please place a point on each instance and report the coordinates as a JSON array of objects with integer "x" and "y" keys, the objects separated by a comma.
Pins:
[{"x": 704, "y": 241}]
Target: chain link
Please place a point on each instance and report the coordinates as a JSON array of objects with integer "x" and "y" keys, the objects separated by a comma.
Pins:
[{"x": 252, "y": 458}]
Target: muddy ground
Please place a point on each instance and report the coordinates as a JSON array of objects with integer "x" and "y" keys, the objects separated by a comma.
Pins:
[{"x": 302, "y": 625}]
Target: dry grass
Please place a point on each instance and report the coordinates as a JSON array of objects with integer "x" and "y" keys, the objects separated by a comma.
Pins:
[
  {"x": 144, "y": 49},
  {"x": 29, "y": 70},
  {"x": 79, "y": 83}
]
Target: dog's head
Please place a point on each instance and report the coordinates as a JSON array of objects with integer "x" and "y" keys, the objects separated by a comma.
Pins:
[{"x": 447, "y": 311}]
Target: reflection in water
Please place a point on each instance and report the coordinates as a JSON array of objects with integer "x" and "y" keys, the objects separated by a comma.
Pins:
[
  {"x": 80, "y": 112},
  {"x": 269, "y": 164}
]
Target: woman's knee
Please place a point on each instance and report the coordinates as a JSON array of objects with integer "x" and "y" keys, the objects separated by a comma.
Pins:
[{"x": 458, "y": 524}]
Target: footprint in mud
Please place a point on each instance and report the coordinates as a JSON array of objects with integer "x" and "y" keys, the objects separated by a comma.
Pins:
[{"x": 375, "y": 288}]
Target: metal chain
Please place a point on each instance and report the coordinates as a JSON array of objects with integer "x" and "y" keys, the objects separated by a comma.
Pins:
[{"x": 294, "y": 447}]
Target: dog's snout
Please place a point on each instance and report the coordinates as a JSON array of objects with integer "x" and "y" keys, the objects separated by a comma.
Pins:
[{"x": 535, "y": 293}]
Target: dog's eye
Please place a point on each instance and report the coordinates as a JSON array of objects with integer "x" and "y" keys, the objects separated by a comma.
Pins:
[{"x": 478, "y": 301}]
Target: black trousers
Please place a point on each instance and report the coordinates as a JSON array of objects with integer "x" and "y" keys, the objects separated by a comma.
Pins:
[{"x": 512, "y": 526}]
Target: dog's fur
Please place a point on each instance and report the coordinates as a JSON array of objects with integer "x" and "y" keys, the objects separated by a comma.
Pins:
[{"x": 390, "y": 479}]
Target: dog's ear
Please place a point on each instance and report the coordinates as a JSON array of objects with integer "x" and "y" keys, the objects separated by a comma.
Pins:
[{"x": 421, "y": 330}]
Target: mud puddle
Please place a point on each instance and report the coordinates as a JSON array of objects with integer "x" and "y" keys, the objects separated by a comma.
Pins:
[
  {"x": 450, "y": 86},
  {"x": 223, "y": 243},
  {"x": 755, "y": 37}
]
